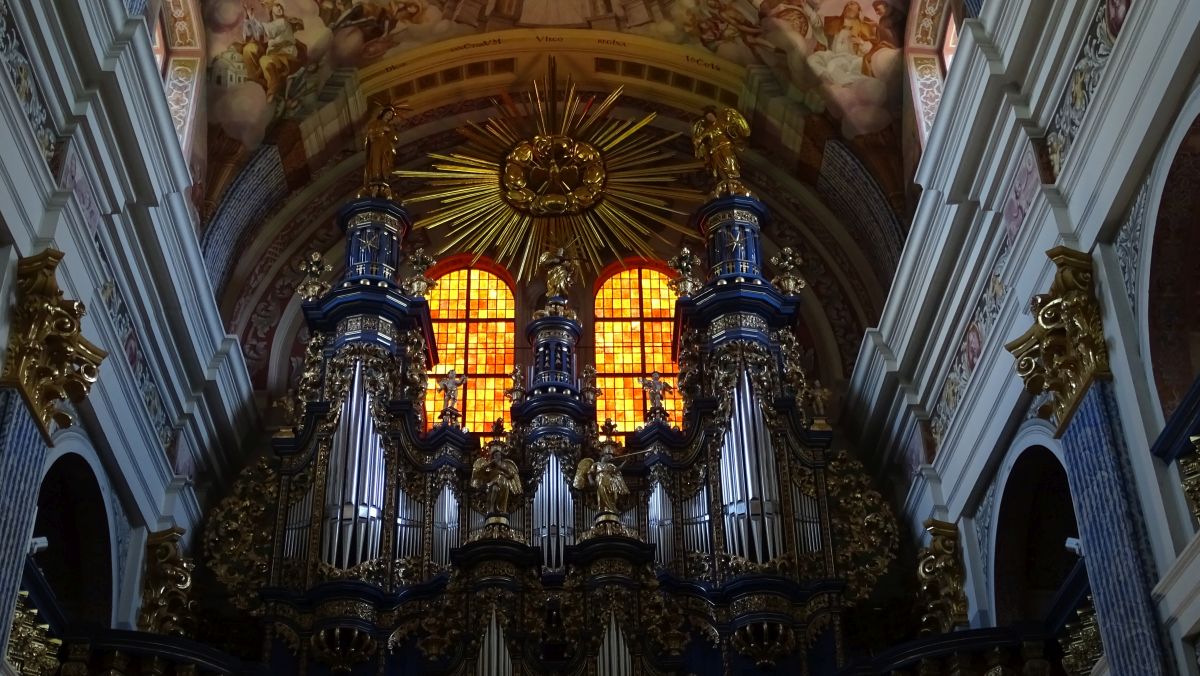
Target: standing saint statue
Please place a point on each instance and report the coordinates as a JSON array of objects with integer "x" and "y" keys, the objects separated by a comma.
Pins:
[
  {"x": 448, "y": 385},
  {"x": 380, "y": 145},
  {"x": 499, "y": 475},
  {"x": 516, "y": 393},
  {"x": 560, "y": 272},
  {"x": 717, "y": 137},
  {"x": 602, "y": 475},
  {"x": 655, "y": 387}
]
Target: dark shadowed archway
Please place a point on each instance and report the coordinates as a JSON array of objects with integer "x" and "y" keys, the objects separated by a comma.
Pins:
[
  {"x": 1036, "y": 517},
  {"x": 78, "y": 561}
]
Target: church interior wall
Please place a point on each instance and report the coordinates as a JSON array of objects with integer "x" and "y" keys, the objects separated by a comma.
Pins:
[{"x": 176, "y": 397}]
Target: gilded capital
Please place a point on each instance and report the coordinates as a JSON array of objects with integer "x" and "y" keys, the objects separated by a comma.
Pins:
[
  {"x": 49, "y": 361},
  {"x": 1064, "y": 350},
  {"x": 940, "y": 576},
  {"x": 167, "y": 607}
]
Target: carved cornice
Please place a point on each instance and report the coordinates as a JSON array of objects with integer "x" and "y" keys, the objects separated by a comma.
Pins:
[
  {"x": 49, "y": 361},
  {"x": 940, "y": 575},
  {"x": 167, "y": 607},
  {"x": 1064, "y": 350}
]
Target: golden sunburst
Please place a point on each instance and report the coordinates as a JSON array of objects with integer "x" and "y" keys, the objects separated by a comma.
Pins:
[{"x": 555, "y": 170}]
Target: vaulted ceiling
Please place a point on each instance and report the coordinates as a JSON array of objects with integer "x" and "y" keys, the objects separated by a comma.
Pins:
[{"x": 290, "y": 84}]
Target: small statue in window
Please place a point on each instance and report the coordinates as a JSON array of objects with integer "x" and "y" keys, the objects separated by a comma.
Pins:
[
  {"x": 655, "y": 388},
  {"x": 516, "y": 393},
  {"x": 448, "y": 385},
  {"x": 588, "y": 391}
]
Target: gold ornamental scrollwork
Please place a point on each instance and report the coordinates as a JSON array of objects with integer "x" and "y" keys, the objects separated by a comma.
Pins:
[
  {"x": 238, "y": 537},
  {"x": 864, "y": 531},
  {"x": 30, "y": 650},
  {"x": 49, "y": 361},
  {"x": 1082, "y": 647},
  {"x": 941, "y": 577},
  {"x": 1064, "y": 350},
  {"x": 167, "y": 606}
]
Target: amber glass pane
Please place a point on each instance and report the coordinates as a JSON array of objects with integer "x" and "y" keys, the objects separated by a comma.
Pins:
[
  {"x": 448, "y": 298},
  {"x": 620, "y": 297},
  {"x": 657, "y": 298},
  {"x": 472, "y": 314},
  {"x": 634, "y": 311}
]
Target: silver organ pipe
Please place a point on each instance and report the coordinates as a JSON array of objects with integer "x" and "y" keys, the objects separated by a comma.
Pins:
[
  {"x": 494, "y": 659},
  {"x": 409, "y": 517},
  {"x": 697, "y": 527},
  {"x": 445, "y": 526},
  {"x": 808, "y": 521},
  {"x": 661, "y": 520},
  {"x": 299, "y": 520},
  {"x": 749, "y": 482},
  {"x": 553, "y": 515},
  {"x": 354, "y": 483},
  {"x": 614, "y": 658}
]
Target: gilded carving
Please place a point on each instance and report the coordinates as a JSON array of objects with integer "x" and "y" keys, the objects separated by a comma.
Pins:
[
  {"x": 1064, "y": 350},
  {"x": 717, "y": 138},
  {"x": 941, "y": 576},
  {"x": 688, "y": 265},
  {"x": 49, "y": 361},
  {"x": 1082, "y": 648},
  {"x": 167, "y": 607},
  {"x": 30, "y": 650},
  {"x": 313, "y": 286},
  {"x": 1189, "y": 470},
  {"x": 865, "y": 537},
  {"x": 238, "y": 537},
  {"x": 789, "y": 280}
]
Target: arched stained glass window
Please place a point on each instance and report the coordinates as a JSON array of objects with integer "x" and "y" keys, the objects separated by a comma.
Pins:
[
  {"x": 472, "y": 311},
  {"x": 634, "y": 317}
]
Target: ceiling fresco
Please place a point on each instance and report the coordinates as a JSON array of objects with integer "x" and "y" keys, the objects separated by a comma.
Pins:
[{"x": 271, "y": 59}]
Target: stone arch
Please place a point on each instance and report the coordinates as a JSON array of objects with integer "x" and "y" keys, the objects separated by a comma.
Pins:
[
  {"x": 73, "y": 515},
  {"x": 1168, "y": 286},
  {"x": 1034, "y": 514}
]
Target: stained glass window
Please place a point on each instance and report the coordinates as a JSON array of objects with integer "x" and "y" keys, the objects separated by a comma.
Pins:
[
  {"x": 634, "y": 316},
  {"x": 472, "y": 311}
]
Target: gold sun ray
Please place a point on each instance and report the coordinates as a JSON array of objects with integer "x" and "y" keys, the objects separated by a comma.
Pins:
[{"x": 553, "y": 168}]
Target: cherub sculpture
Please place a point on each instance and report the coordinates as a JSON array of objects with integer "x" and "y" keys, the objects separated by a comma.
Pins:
[
  {"x": 655, "y": 387},
  {"x": 448, "y": 385}
]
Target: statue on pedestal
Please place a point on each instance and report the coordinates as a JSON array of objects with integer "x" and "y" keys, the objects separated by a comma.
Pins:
[
  {"x": 655, "y": 387},
  {"x": 717, "y": 137},
  {"x": 380, "y": 143}
]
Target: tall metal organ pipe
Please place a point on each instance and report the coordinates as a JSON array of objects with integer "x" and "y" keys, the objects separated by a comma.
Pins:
[
  {"x": 354, "y": 483},
  {"x": 749, "y": 481},
  {"x": 553, "y": 515}
]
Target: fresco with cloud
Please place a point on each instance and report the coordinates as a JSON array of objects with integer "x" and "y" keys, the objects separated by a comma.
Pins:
[{"x": 271, "y": 57}]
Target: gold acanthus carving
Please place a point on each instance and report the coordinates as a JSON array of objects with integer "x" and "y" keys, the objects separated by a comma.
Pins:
[
  {"x": 30, "y": 650},
  {"x": 864, "y": 531},
  {"x": 49, "y": 361},
  {"x": 167, "y": 606},
  {"x": 941, "y": 577},
  {"x": 1064, "y": 350},
  {"x": 238, "y": 537}
]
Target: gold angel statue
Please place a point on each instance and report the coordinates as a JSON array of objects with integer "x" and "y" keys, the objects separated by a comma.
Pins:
[
  {"x": 602, "y": 475},
  {"x": 560, "y": 272},
  {"x": 499, "y": 475},
  {"x": 380, "y": 145},
  {"x": 717, "y": 137}
]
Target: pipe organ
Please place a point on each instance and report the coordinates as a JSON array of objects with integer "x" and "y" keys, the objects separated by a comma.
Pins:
[{"x": 716, "y": 543}]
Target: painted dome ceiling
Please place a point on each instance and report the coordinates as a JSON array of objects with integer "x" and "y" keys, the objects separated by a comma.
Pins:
[{"x": 291, "y": 83}]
